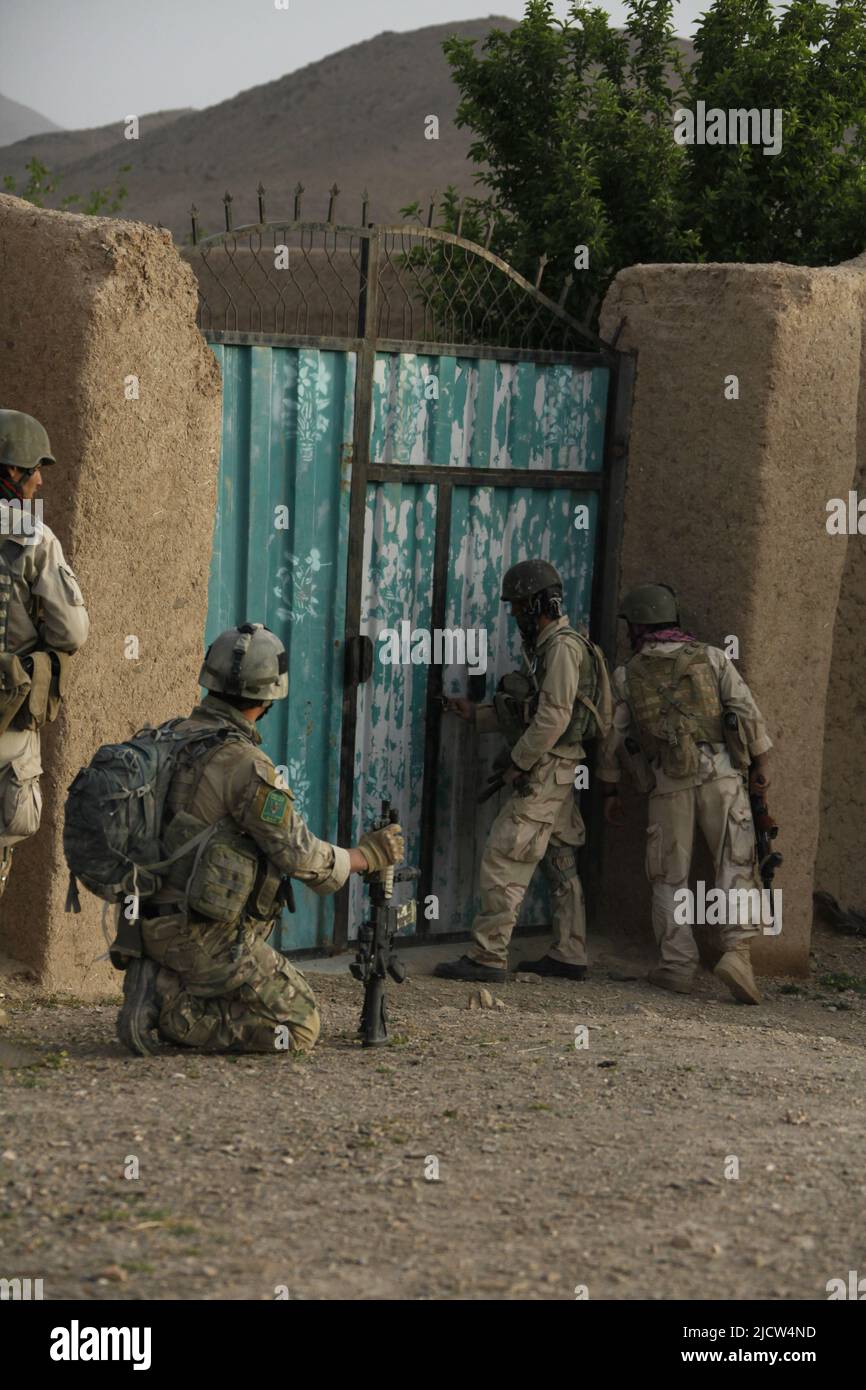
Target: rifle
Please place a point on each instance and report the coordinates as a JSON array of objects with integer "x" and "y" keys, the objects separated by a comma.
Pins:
[
  {"x": 766, "y": 830},
  {"x": 376, "y": 956},
  {"x": 501, "y": 764}
]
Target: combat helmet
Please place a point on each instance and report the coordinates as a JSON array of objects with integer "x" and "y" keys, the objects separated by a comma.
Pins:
[
  {"x": 247, "y": 661},
  {"x": 24, "y": 442},
  {"x": 650, "y": 603},
  {"x": 528, "y": 578}
]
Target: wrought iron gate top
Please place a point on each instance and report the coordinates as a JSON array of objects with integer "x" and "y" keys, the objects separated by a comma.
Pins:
[{"x": 314, "y": 279}]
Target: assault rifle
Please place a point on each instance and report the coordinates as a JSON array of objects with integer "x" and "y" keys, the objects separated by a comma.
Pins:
[
  {"x": 501, "y": 763},
  {"x": 766, "y": 830},
  {"x": 376, "y": 956}
]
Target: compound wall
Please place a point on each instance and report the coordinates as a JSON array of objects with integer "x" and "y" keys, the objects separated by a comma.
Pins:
[
  {"x": 726, "y": 500},
  {"x": 89, "y": 303}
]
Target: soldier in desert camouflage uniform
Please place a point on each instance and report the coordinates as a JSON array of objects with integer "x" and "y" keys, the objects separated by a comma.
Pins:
[
  {"x": 545, "y": 713},
  {"x": 687, "y": 726},
  {"x": 208, "y": 980},
  {"x": 42, "y": 622}
]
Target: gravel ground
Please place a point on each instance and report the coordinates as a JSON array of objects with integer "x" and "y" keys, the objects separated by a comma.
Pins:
[{"x": 606, "y": 1166}]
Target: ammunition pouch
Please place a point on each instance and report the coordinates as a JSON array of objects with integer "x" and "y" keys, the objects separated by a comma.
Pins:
[
  {"x": 515, "y": 702},
  {"x": 263, "y": 901},
  {"x": 15, "y": 685},
  {"x": 32, "y": 688},
  {"x": 218, "y": 877},
  {"x": 735, "y": 740},
  {"x": 639, "y": 767},
  {"x": 127, "y": 944}
]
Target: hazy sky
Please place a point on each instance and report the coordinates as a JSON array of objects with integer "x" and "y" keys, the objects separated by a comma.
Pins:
[{"x": 88, "y": 62}]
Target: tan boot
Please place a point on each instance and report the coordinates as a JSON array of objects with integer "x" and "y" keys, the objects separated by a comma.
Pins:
[
  {"x": 662, "y": 978},
  {"x": 735, "y": 969}
]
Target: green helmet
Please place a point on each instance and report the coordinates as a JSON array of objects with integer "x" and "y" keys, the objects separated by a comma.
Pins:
[
  {"x": 249, "y": 661},
  {"x": 650, "y": 603},
  {"x": 24, "y": 442},
  {"x": 528, "y": 579}
]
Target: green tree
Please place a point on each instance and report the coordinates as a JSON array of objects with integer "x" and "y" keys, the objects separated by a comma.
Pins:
[
  {"x": 42, "y": 184},
  {"x": 573, "y": 133}
]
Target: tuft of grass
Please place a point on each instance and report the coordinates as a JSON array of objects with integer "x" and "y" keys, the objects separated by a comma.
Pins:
[{"x": 842, "y": 981}]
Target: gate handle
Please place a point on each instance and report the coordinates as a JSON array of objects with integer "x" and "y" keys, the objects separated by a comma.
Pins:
[{"x": 359, "y": 660}]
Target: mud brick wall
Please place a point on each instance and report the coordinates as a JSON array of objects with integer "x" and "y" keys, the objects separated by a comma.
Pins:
[
  {"x": 841, "y": 866},
  {"x": 87, "y": 303},
  {"x": 726, "y": 500}
]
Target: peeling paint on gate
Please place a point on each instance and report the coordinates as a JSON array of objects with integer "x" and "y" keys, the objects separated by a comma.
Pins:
[
  {"x": 288, "y": 438},
  {"x": 287, "y": 441}
]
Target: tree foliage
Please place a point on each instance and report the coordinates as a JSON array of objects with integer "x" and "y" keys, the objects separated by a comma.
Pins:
[
  {"x": 42, "y": 185},
  {"x": 573, "y": 133}
]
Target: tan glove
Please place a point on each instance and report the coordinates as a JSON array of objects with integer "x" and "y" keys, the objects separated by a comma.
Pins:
[{"x": 381, "y": 848}]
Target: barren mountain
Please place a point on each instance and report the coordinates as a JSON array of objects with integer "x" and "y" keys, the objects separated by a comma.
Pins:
[
  {"x": 356, "y": 118},
  {"x": 64, "y": 151},
  {"x": 17, "y": 121}
]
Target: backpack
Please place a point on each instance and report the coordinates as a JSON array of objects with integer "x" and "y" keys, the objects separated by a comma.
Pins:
[
  {"x": 594, "y": 693},
  {"x": 113, "y": 816},
  {"x": 675, "y": 703}
]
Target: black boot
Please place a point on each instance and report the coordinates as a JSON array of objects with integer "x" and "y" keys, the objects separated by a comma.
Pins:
[
  {"x": 548, "y": 965},
  {"x": 139, "y": 1014},
  {"x": 468, "y": 969}
]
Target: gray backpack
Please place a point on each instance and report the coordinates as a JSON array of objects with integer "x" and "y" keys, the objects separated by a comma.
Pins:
[{"x": 113, "y": 817}]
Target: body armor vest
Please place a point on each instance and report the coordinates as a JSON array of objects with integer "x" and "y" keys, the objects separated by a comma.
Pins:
[
  {"x": 516, "y": 700},
  {"x": 675, "y": 704},
  {"x": 226, "y": 877},
  {"x": 31, "y": 686}
]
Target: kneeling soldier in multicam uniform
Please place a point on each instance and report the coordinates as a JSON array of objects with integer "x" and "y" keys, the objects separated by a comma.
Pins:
[
  {"x": 688, "y": 728},
  {"x": 214, "y": 983},
  {"x": 545, "y": 713}
]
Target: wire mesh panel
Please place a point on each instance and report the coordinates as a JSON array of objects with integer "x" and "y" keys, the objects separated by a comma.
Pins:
[{"x": 314, "y": 278}]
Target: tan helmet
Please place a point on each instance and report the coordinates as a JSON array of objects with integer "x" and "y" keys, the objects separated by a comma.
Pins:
[
  {"x": 24, "y": 442},
  {"x": 650, "y": 603},
  {"x": 247, "y": 661}
]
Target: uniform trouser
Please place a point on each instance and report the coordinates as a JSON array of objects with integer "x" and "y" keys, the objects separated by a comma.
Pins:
[
  {"x": 722, "y": 810},
  {"x": 20, "y": 794},
  {"x": 258, "y": 1003},
  {"x": 544, "y": 827}
]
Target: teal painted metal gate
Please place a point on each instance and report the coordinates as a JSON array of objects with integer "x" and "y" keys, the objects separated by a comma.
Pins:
[{"x": 372, "y": 481}]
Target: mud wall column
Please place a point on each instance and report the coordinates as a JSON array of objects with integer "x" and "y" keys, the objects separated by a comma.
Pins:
[
  {"x": 726, "y": 500},
  {"x": 99, "y": 343}
]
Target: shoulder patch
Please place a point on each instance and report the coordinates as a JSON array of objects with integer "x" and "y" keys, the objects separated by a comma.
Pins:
[{"x": 272, "y": 806}]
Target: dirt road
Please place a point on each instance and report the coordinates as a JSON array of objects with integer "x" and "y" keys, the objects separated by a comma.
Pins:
[{"x": 607, "y": 1167}]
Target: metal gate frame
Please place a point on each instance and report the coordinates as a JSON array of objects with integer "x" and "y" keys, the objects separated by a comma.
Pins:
[{"x": 609, "y": 482}]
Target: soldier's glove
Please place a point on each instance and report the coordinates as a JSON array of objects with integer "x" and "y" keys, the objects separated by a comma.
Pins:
[{"x": 382, "y": 848}]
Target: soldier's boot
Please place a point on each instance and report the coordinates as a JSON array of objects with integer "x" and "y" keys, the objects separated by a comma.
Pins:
[
  {"x": 735, "y": 969},
  {"x": 5, "y": 867},
  {"x": 139, "y": 1014},
  {"x": 468, "y": 969},
  {"x": 549, "y": 966},
  {"x": 663, "y": 978}
]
